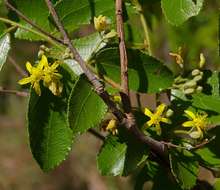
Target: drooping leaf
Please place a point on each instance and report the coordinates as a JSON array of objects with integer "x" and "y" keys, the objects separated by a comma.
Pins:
[
  {"x": 156, "y": 174},
  {"x": 210, "y": 154},
  {"x": 4, "y": 49},
  {"x": 146, "y": 73},
  {"x": 185, "y": 168},
  {"x": 206, "y": 102},
  {"x": 121, "y": 156},
  {"x": 111, "y": 158},
  {"x": 85, "y": 108},
  {"x": 178, "y": 11},
  {"x": 36, "y": 11},
  {"x": 75, "y": 13},
  {"x": 208, "y": 157},
  {"x": 50, "y": 136}
]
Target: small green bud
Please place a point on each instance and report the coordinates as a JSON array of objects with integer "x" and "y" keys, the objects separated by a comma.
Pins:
[
  {"x": 197, "y": 78},
  {"x": 190, "y": 84},
  {"x": 195, "y": 72},
  {"x": 169, "y": 113},
  {"x": 189, "y": 91},
  {"x": 199, "y": 89}
]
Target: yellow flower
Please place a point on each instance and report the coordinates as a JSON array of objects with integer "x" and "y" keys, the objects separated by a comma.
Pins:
[
  {"x": 48, "y": 74},
  {"x": 112, "y": 127},
  {"x": 198, "y": 123},
  {"x": 51, "y": 78},
  {"x": 101, "y": 23},
  {"x": 36, "y": 74},
  {"x": 157, "y": 117}
]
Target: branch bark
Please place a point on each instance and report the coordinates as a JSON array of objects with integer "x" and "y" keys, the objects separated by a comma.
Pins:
[
  {"x": 125, "y": 96},
  {"x": 124, "y": 119}
]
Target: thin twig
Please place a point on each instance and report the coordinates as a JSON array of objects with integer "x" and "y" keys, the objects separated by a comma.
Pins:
[
  {"x": 21, "y": 15},
  {"x": 15, "y": 92},
  {"x": 97, "y": 134},
  {"x": 127, "y": 122},
  {"x": 123, "y": 57},
  {"x": 17, "y": 67}
]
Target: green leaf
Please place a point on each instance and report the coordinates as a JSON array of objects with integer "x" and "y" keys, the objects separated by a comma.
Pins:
[
  {"x": 178, "y": 11},
  {"x": 50, "y": 136},
  {"x": 210, "y": 154},
  {"x": 36, "y": 11},
  {"x": 185, "y": 168},
  {"x": 214, "y": 82},
  {"x": 206, "y": 102},
  {"x": 156, "y": 174},
  {"x": 208, "y": 157},
  {"x": 121, "y": 155},
  {"x": 111, "y": 158},
  {"x": 86, "y": 47},
  {"x": 85, "y": 108},
  {"x": 146, "y": 73},
  {"x": 217, "y": 184},
  {"x": 75, "y": 13},
  {"x": 4, "y": 49}
]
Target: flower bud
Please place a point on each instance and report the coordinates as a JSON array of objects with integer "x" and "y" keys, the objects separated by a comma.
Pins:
[
  {"x": 199, "y": 89},
  {"x": 195, "y": 72},
  {"x": 190, "y": 84},
  {"x": 101, "y": 23},
  {"x": 202, "y": 60},
  {"x": 169, "y": 113},
  {"x": 189, "y": 91},
  {"x": 197, "y": 78}
]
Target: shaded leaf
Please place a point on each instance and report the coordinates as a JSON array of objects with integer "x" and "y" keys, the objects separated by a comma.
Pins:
[
  {"x": 121, "y": 155},
  {"x": 36, "y": 11},
  {"x": 178, "y": 11},
  {"x": 146, "y": 73},
  {"x": 85, "y": 108},
  {"x": 185, "y": 168},
  {"x": 50, "y": 136},
  {"x": 206, "y": 102},
  {"x": 69, "y": 11}
]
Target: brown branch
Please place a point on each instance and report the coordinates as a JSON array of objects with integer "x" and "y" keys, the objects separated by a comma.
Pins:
[
  {"x": 15, "y": 92},
  {"x": 123, "y": 57},
  {"x": 125, "y": 120},
  {"x": 21, "y": 15},
  {"x": 97, "y": 134},
  {"x": 19, "y": 70}
]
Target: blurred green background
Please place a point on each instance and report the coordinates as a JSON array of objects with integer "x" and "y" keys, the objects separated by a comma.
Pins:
[{"x": 18, "y": 170}]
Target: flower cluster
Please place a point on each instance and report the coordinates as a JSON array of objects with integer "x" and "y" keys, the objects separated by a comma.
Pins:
[
  {"x": 157, "y": 117},
  {"x": 198, "y": 122},
  {"x": 46, "y": 73}
]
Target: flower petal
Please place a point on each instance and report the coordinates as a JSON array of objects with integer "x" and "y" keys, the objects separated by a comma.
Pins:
[
  {"x": 25, "y": 81},
  {"x": 158, "y": 129},
  {"x": 29, "y": 67},
  {"x": 43, "y": 62},
  {"x": 165, "y": 120},
  {"x": 150, "y": 122},
  {"x": 188, "y": 124},
  {"x": 160, "y": 109},
  {"x": 147, "y": 112},
  {"x": 37, "y": 89},
  {"x": 190, "y": 114}
]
